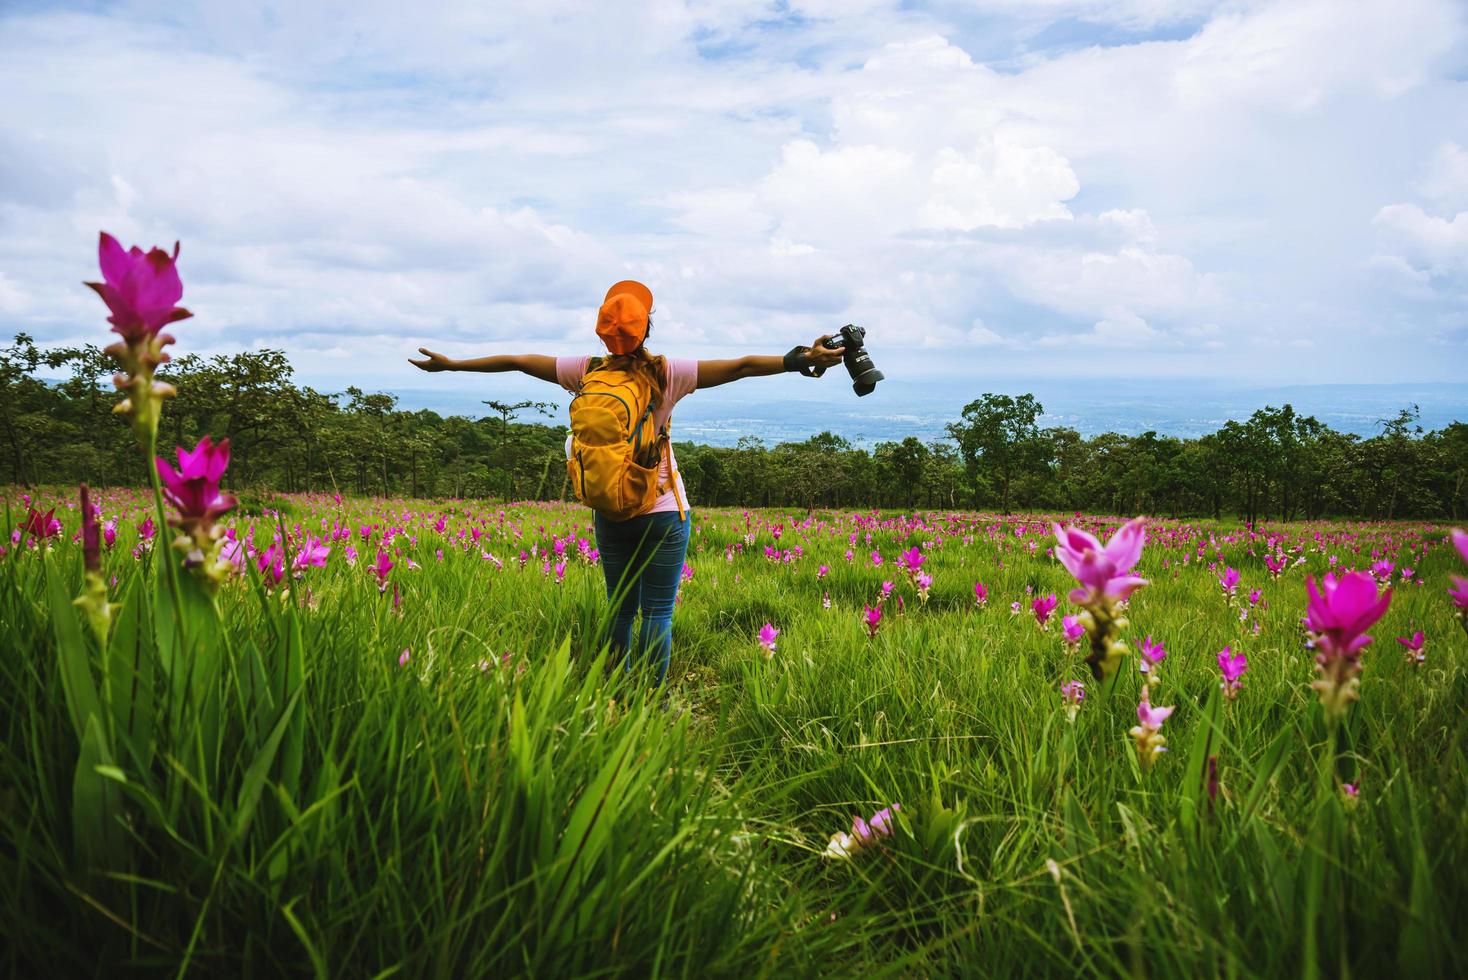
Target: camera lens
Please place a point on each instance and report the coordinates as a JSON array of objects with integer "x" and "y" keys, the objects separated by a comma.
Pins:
[{"x": 864, "y": 374}]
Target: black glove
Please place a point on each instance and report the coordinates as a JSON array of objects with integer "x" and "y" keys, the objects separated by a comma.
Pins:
[{"x": 798, "y": 359}]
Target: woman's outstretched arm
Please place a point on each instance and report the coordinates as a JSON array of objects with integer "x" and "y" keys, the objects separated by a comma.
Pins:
[
  {"x": 540, "y": 366},
  {"x": 711, "y": 374}
]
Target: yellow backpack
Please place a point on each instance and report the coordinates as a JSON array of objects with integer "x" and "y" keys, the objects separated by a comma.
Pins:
[{"x": 615, "y": 451}]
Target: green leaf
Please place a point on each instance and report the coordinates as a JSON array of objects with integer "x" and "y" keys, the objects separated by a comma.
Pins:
[
  {"x": 1197, "y": 767},
  {"x": 73, "y": 659},
  {"x": 254, "y": 780},
  {"x": 94, "y": 800}
]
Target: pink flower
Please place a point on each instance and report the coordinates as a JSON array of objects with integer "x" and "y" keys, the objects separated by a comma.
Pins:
[
  {"x": 1414, "y": 645},
  {"x": 822, "y": 572},
  {"x": 1042, "y": 607},
  {"x": 140, "y": 289},
  {"x": 271, "y": 564},
  {"x": 864, "y": 833},
  {"x": 886, "y": 592},
  {"x": 383, "y": 566},
  {"x": 1229, "y": 581},
  {"x": 767, "y": 634},
  {"x": 981, "y": 594},
  {"x": 1148, "y": 734},
  {"x": 109, "y": 533},
  {"x": 1382, "y": 570},
  {"x": 1232, "y": 666},
  {"x": 911, "y": 560},
  {"x": 404, "y": 657},
  {"x": 1152, "y": 654},
  {"x": 1342, "y": 609},
  {"x": 1103, "y": 572},
  {"x": 1460, "y": 541},
  {"x": 1072, "y": 630},
  {"x": 146, "y": 529},
  {"x": 873, "y": 619},
  {"x": 1072, "y": 693},
  {"x": 312, "y": 555},
  {"x": 193, "y": 489},
  {"x": 1151, "y": 717},
  {"x": 40, "y": 525}
]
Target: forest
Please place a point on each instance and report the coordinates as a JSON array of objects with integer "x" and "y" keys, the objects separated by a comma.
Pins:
[{"x": 288, "y": 437}]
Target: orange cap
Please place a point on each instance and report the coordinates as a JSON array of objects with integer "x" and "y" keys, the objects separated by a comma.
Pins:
[{"x": 621, "y": 322}]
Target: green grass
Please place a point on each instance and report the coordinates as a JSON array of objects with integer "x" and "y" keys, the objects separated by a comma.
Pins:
[{"x": 307, "y": 805}]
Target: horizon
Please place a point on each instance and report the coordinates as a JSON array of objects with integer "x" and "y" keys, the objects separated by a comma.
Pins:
[{"x": 1154, "y": 188}]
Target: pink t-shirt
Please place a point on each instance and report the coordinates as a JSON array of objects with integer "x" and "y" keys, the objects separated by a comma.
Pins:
[{"x": 682, "y": 378}]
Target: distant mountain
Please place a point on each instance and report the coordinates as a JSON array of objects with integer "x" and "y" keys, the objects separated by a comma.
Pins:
[{"x": 785, "y": 409}]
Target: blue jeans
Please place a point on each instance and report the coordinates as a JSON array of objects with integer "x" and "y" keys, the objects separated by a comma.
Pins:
[{"x": 642, "y": 559}]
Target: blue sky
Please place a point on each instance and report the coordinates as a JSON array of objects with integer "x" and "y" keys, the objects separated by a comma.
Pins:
[{"x": 1270, "y": 191}]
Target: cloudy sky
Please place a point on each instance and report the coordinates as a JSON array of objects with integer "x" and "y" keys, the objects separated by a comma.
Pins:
[{"x": 1012, "y": 188}]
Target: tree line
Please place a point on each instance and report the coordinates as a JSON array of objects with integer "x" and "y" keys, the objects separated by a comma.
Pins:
[{"x": 290, "y": 437}]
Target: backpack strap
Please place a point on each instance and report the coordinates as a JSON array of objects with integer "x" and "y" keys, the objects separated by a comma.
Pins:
[{"x": 667, "y": 454}]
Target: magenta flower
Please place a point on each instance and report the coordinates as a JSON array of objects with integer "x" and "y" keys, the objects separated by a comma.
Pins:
[
  {"x": 1342, "y": 609},
  {"x": 1072, "y": 630},
  {"x": 911, "y": 560},
  {"x": 1042, "y": 607},
  {"x": 981, "y": 594},
  {"x": 1382, "y": 570},
  {"x": 1414, "y": 645},
  {"x": 1232, "y": 666},
  {"x": 872, "y": 615},
  {"x": 886, "y": 592},
  {"x": 1459, "y": 590},
  {"x": 109, "y": 533},
  {"x": 404, "y": 657},
  {"x": 140, "y": 289},
  {"x": 383, "y": 566},
  {"x": 1229, "y": 581},
  {"x": 193, "y": 488},
  {"x": 767, "y": 634},
  {"x": 864, "y": 833},
  {"x": 1275, "y": 564},
  {"x": 1103, "y": 572},
  {"x": 1148, "y": 733},
  {"x": 41, "y": 526},
  {"x": 146, "y": 529},
  {"x": 1152, "y": 655},
  {"x": 312, "y": 555},
  {"x": 271, "y": 564},
  {"x": 1338, "y": 614},
  {"x": 822, "y": 572}
]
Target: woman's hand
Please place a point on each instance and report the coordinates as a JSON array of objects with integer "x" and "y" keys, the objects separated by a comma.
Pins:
[
  {"x": 431, "y": 361},
  {"x": 820, "y": 357}
]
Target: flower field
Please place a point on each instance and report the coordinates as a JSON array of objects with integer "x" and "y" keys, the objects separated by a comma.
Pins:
[{"x": 359, "y": 737}]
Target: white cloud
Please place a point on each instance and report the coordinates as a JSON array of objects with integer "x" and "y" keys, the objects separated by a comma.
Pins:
[{"x": 468, "y": 172}]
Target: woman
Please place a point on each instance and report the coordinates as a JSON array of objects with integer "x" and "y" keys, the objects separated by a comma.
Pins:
[{"x": 642, "y": 557}]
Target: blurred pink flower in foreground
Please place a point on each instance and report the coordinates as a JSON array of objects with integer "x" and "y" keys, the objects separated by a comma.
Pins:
[
  {"x": 1105, "y": 582},
  {"x": 141, "y": 289},
  {"x": 1338, "y": 613},
  {"x": 1102, "y": 571}
]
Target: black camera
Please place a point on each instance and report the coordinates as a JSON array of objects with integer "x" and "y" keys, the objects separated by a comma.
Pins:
[{"x": 864, "y": 374}]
